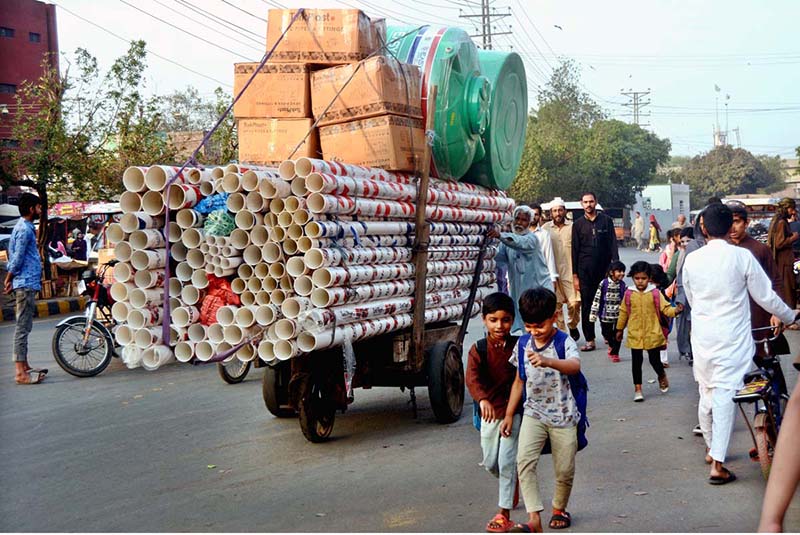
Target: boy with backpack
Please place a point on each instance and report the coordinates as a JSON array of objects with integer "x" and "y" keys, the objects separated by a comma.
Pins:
[
  {"x": 605, "y": 306},
  {"x": 644, "y": 313},
  {"x": 489, "y": 378},
  {"x": 553, "y": 395}
]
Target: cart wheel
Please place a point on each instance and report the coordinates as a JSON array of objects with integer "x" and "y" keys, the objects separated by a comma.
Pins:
[
  {"x": 446, "y": 382},
  {"x": 275, "y": 390},
  {"x": 316, "y": 407},
  {"x": 233, "y": 371},
  {"x": 764, "y": 446}
]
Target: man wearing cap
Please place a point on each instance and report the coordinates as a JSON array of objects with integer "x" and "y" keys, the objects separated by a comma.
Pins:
[{"x": 561, "y": 238}]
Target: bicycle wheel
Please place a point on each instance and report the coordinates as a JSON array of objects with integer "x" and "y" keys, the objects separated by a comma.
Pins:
[
  {"x": 233, "y": 371},
  {"x": 764, "y": 445},
  {"x": 78, "y": 359}
]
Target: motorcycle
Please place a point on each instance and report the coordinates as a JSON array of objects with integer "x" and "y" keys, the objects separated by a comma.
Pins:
[{"x": 84, "y": 345}]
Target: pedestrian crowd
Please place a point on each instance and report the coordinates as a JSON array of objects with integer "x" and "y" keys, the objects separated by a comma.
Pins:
[{"x": 524, "y": 375}]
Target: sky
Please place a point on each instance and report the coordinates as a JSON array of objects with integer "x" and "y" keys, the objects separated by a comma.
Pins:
[{"x": 680, "y": 51}]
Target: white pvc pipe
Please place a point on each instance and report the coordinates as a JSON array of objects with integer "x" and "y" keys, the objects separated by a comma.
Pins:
[
  {"x": 192, "y": 238},
  {"x": 148, "y": 278},
  {"x": 248, "y": 298},
  {"x": 140, "y": 297},
  {"x": 254, "y": 285},
  {"x": 222, "y": 272},
  {"x": 196, "y": 260},
  {"x": 213, "y": 250},
  {"x": 301, "y": 217},
  {"x": 185, "y": 316},
  {"x": 276, "y": 232},
  {"x": 290, "y": 246},
  {"x": 119, "y": 290},
  {"x": 205, "y": 247},
  {"x": 147, "y": 337},
  {"x": 123, "y": 272},
  {"x": 271, "y": 336},
  {"x": 271, "y": 188},
  {"x": 226, "y": 315},
  {"x": 124, "y": 334},
  {"x": 182, "y": 196},
  {"x": 298, "y": 186},
  {"x": 200, "y": 278},
  {"x": 207, "y": 188},
  {"x": 286, "y": 329},
  {"x": 236, "y": 335},
  {"x": 252, "y": 255},
  {"x": 197, "y": 332},
  {"x": 238, "y": 285},
  {"x": 196, "y": 175},
  {"x": 305, "y": 244},
  {"x": 184, "y": 272},
  {"x": 175, "y": 302},
  {"x": 140, "y": 221},
  {"x": 285, "y": 218},
  {"x": 269, "y": 283},
  {"x": 286, "y": 349},
  {"x": 218, "y": 172},
  {"x": 244, "y": 271},
  {"x": 287, "y": 169},
  {"x": 204, "y": 351},
  {"x": 235, "y": 202},
  {"x": 215, "y": 333},
  {"x": 115, "y": 233},
  {"x": 294, "y": 232},
  {"x": 262, "y": 298},
  {"x": 177, "y": 334},
  {"x": 240, "y": 238},
  {"x": 277, "y": 270},
  {"x": 188, "y": 218},
  {"x": 156, "y": 356},
  {"x": 286, "y": 284},
  {"x": 231, "y": 183},
  {"x": 147, "y": 239},
  {"x": 153, "y": 203},
  {"x": 184, "y": 351},
  {"x": 191, "y": 295},
  {"x": 259, "y": 235},
  {"x": 120, "y": 311},
  {"x": 140, "y": 318},
  {"x": 266, "y": 315},
  {"x": 276, "y": 205},
  {"x": 277, "y": 297},
  {"x": 178, "y": 252},
  {"x": 254, "y": 201},
  {"x": 271, "y": 253},
  {"x": 174, "y": 232},
  {"x": 157, "y": 177},
  {"x": 247, "y": 220},
  {"x": 246, "y": 353},
  {"x": 133, "y": 179},
  {"x": 294, "y": 306},
  {"x": 296, "y": 266},
  {"x": 303, "y": 286},
  {"x": 266, "y": 351},
  {"x": 175, "y": 287},
  {"x": 261, "y": 271},
  {"x": 245, "y": 316},
  {"x": 130, "y": 202}
]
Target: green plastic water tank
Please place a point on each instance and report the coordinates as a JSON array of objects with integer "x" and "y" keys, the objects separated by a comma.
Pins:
[
  {"x": 504, "y": 138},
  {"x": 473, "y": 87}
]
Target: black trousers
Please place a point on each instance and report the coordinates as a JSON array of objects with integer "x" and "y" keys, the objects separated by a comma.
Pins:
[
  {"x": 589, "y": 285},
  {"x": 654, "y": 355},
  {"x": 609, "y": 330}
]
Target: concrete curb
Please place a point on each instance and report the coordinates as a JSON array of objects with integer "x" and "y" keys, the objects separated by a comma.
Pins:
[{"x": 48, "y": 308}]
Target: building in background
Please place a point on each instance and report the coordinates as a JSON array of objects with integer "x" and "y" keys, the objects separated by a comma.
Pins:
[
  {"x": 28, "y": 36},
  {"x": 665, "y": 201}
]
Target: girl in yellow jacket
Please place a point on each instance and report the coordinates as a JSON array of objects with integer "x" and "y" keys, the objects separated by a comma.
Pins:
[{"x": 641, "y": 312}]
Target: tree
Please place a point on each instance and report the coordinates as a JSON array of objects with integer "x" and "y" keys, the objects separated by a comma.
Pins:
[
  {"x": 570, "y": 146},
  {"x": 78, "y": 132},
  {"x": 728, "y": 171}
]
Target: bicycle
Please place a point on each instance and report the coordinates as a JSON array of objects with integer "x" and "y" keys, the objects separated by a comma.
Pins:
[
  {"x": 765, "y": 388},
  {"x": 84, "y": 345}
]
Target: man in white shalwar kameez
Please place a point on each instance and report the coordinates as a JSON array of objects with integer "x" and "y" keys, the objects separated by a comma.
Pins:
[
  {"x": 718, "y": 279},
  {"x": 520, "y": 252}
]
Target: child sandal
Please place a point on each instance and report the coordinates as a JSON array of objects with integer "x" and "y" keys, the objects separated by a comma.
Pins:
[{"x": 499, "y": 524}]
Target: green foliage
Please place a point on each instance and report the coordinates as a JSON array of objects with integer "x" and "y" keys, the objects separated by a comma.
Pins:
[
  {"x": 728, "y": 171},
  {"x": 570, "y": 146}
]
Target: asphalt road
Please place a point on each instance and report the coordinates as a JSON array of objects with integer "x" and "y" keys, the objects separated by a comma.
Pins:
[{"x": 179, "y": 450}]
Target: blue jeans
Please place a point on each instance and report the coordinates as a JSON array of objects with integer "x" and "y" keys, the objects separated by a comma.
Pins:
[{"x": 26, "y": 305}]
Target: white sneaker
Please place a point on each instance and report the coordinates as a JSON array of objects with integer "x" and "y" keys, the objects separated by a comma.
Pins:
[{"x": 638, "y": 396}]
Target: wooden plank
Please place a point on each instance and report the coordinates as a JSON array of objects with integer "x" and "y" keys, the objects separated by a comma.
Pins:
[
  {"x": 421, "y": 235},
  {"x": 402, "y": 343}
]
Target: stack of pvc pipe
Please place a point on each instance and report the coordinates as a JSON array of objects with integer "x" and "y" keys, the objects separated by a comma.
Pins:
[{"x": 321, "y": 254}]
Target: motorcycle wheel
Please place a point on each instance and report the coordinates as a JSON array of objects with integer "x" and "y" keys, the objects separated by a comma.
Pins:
[{"x": 80, "y": 361}]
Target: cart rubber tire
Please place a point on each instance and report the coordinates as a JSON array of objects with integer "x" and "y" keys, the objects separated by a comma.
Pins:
[
  {"x": 316, "y": 408},
  {"x": 231, "y": 378},
  {"x": 275, "y": 390},
  {"x": 97, "y": 329},
  {"x": 446, "y": 382},
  {"x": 764, "y": 447}
]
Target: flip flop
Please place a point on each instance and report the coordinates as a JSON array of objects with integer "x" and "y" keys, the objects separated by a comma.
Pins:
[
  {"x": 521, "y": 528},
  {"x": 722, "y": 480},
  {"x": 560, "y": 516},
  {"x": 34, "y": 378},
  {"x": 43, "y": 371},
  {"x": 499, "y": 524},
  {"x": 589, "y": 346}
]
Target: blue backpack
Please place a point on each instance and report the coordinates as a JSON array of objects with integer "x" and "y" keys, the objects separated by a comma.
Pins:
[{"x": 577, "y": 384}]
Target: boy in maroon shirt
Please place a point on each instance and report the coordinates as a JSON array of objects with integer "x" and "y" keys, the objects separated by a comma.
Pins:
[{"x": 489, "y": 379}]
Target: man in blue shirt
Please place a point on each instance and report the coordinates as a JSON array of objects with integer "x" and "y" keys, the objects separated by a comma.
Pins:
[{"x": 25, "y": 279}]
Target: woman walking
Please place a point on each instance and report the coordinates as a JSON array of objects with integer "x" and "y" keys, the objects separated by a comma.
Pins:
[{"x": 780, "y": 240}]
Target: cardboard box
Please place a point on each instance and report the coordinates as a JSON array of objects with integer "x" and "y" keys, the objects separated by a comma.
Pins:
[
  {"x": 385, "y": 141},
  {"x": 280, "y": 90},
  {"x": 379, "y": 86},
  {"x": 273, "y": 140},
  {"x": 324, "y": 36}
]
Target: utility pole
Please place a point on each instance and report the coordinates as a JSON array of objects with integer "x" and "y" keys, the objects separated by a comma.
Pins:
[
  {"x": 487, "y": 15},
  {"x": 636, "y": 102}
]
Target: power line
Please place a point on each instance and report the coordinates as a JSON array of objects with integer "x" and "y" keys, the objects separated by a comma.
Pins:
[
  {"x": 486, "y": 15},
  {"x": 187, "y": 32},
  {"x": 636, "y": 104},
  {"x": 149, "y": 51},
  {"x": 244, "y": 11},
  {"x": 207, "y": 26},
  {"x": 219, "y": 20},
  {"x": 275, "y": 4}
]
